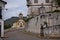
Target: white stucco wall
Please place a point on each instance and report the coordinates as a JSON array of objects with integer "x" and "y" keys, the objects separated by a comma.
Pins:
[
  {"x": 38, "y": 5},
  {"x": 39, "y": 2},
  {"x": 2, "y": 20},
  {"x": 34, "y": 25}
]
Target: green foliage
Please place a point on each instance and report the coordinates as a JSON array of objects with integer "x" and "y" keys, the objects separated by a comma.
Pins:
[
  {"x": 27, "y": 19},
  {"x": 53, "y": 11},
  {"x": 58, "y": 2},
  {"x": 9, "y": 22},
  {"x": 50, "y": 12},
  {"x": 56, "y": 11},
  {"x": 7, "y": 26}
]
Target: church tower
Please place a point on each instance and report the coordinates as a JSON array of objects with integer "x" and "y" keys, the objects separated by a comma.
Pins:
[{"x": 20, "y": 16}]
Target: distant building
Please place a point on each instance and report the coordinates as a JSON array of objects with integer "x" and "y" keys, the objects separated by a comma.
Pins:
[
  {"x": 2, "y": 8},
  {"x": 19, "y": 23},
  {"x": 34, "y": 6}
]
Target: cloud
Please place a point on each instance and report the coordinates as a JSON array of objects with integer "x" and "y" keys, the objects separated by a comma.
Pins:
[
  {"x": 15, "y": 7},
  {"x": 16, "y": 3}
]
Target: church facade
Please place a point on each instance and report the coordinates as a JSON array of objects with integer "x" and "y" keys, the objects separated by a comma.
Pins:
[
  {"x": 44, "y": 19},
  {"x": 19, "y": 24},
  {"x": 34, "y": 6}
]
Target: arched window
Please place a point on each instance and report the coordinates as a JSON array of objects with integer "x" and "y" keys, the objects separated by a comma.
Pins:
[{"x": 0, "y": 12}]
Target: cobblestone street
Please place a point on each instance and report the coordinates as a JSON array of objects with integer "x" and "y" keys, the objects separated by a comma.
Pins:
[
  {"x": 19, "y": 35},
  {"x": 29, "y": 20}
]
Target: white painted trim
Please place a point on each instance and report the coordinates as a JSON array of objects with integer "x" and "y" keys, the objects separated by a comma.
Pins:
[{"x": 2, "y": 28}]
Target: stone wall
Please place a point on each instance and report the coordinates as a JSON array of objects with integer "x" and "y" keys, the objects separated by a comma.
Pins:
[{"x": 52, "y": 19}]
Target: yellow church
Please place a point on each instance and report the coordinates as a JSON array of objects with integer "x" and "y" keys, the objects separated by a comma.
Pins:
[{"x": 19, "y": 23}]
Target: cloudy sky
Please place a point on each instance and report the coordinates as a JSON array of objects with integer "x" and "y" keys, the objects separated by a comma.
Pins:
[{"x": 14, "y": 8}]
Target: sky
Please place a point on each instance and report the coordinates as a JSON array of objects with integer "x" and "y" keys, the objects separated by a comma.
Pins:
[{"x": 14, "y": 8}]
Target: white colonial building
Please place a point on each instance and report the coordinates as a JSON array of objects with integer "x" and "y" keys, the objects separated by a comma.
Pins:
[
  {"x": 20, "y": 23},
  {"x": 43, "y": 17},
  {"x": 2, "y": 8},
  {"x": 34, "y": 6}
]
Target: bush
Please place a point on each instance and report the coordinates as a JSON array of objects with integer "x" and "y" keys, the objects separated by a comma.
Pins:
[
  {"x": 28, "y": 19},
  {"x": 56, "y": 10},
  {"x": 7, "y": 26},
  {"x": 53, "y": 11}
]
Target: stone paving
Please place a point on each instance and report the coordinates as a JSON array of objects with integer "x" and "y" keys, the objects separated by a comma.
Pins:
[{"x": 19, "y": 35}]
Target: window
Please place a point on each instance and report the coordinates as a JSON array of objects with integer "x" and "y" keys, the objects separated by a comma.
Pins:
[
  {"x": 35, "y": 1},
  {"x": 49, "y": 14},
  {"x": 57, "y": 17},
  {"x": 37, "y": 19},
  {"x": 42, "y": 9},
  {"x": 0, "y": 13},
  {"x": 47, "y": 1},
  {"x": 28, "y": 1}
]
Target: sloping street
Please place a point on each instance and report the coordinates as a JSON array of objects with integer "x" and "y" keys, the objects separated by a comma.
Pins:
[{"x": 19, "y": 35}]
